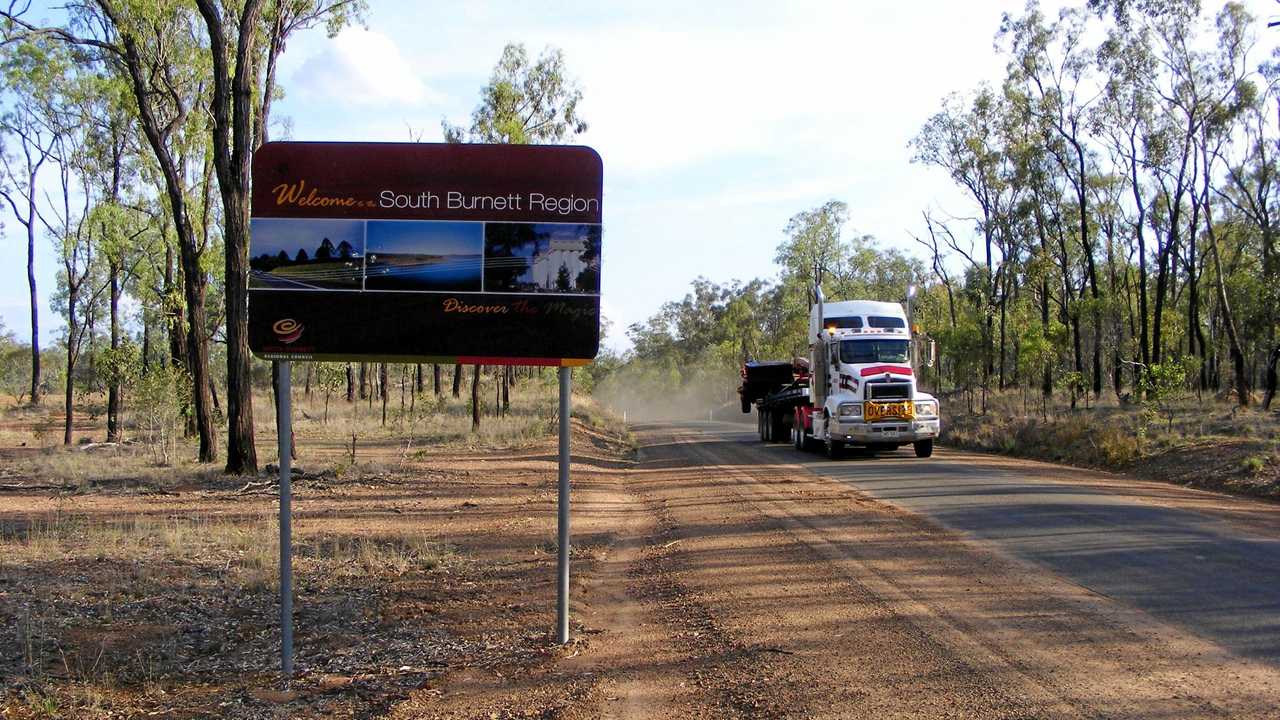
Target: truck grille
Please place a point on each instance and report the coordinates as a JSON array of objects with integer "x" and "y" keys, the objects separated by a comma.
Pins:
[{"x": 888, "y": 391}]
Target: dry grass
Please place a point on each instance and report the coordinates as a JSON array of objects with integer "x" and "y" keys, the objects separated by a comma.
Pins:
[
  {"x": 352, "y": 439},
  {"x": 1206, "y": 443},
  {"x": 116, "y": 606},
  {"x": 128, "y": 588}
]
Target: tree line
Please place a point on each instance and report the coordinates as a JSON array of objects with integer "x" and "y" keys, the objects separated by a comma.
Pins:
[
  {"x": 143, "y": 118},
  {"x": 1119, "y": 225},
  {"x": 1122, "y": 183}
]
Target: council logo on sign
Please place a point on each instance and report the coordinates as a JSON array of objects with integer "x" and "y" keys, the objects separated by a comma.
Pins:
[{"x": 287, "y": 330}]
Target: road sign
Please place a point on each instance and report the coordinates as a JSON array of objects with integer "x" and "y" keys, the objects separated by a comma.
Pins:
[{"x": 419, "y": 252}]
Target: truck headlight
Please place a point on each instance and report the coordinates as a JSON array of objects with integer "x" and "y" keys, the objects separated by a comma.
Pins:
[
  {"x": 926, "y": 408},
  {"x": 850, "y": 410}
]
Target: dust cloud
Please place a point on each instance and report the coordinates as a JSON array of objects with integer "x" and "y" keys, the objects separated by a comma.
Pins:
[{"x": 648, "y": 394}]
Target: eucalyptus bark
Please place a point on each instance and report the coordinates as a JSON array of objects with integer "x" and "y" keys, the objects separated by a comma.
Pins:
[
  {"x": 232, "y": 112},
  {"x": 35, "y": 310},
  {"x": 73, "y": 296},
  {"x": 382, "y": 383},
  {"x": 475, "y": 397},
  {"x": 193, "y": 274},
  {"x": 113, "y": 389}
]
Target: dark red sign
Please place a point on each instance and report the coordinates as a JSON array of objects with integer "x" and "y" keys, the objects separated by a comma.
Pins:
[{"x": 427, "y": 252}]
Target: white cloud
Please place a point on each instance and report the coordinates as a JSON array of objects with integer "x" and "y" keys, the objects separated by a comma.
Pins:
[{"x": 362, "y": 67}]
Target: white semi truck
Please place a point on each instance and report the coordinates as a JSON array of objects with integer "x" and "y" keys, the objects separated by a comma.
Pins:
[{"x": 857, "y": 388}]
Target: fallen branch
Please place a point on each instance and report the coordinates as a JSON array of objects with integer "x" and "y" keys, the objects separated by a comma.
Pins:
[{"x": 20, "y": 487}]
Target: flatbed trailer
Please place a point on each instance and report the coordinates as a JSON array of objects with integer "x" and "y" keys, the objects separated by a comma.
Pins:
[{"x": 776, "y": 389}]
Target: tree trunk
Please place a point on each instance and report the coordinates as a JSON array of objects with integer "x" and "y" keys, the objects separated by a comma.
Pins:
[
  {"x": 435, "y": 379},
  {"x": 72, "y": 331},
  {"x": 507, "y": 372},
  {"x": 1272, "y": 362},
  {"x": 351, "y": 383},
  {"x": 475, "y": 397},
  {"x": 146, "y": 344},
  {"x": 457, "y": 380},
  {"x": 35, "y": 305},
  {"x": 193, "y": 275},
  {"x": 382, "y": 382},
  {"x": 419, "y": 379},
  {"x": 113, "y": 389},
  {"x": 364, "y": 380}
]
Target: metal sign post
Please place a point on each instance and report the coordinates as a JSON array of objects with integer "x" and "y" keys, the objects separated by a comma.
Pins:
[
  {"x": 562, "y": 595},
  {"x": 284, "y": 428}
]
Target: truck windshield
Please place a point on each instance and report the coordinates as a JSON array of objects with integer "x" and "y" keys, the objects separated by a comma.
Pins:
[{"x": 871, "y": 351}]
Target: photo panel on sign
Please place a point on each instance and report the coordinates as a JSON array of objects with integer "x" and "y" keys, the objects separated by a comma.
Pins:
[
  {"x": 542, "y": 258},
  {"x": 424, "y": 256},
  {"x": 306, "y": 254}
]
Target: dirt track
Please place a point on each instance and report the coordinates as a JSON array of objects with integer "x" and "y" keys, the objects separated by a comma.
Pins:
[{"x": 742, "y": 588}]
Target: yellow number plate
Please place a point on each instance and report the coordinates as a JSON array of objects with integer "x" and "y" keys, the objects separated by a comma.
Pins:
[{"x": 873, "y": 411}]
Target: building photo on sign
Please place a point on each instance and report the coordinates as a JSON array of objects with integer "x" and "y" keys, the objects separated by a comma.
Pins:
[{"x": 542, "y": 257}]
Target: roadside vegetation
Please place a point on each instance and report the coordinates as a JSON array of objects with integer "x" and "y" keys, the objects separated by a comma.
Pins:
[
  {"x": 1108, "y": 295},
  {"x": 1209, "y": 445},
  {"x": 136, "y": 585}
]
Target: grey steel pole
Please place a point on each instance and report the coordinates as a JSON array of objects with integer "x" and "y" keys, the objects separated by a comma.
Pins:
[
  {"x": 562, "y": 596},
  {"x": 284, "y": 428}
]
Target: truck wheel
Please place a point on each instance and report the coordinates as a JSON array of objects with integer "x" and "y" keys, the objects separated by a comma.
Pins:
[
  {"x": 835, "y": 448},
  {"x": 778, "y": 428},
  {"x": 761, "y": 423},
  {"x": 924, "y": 448},
  {"x": 797, "y": 436}
]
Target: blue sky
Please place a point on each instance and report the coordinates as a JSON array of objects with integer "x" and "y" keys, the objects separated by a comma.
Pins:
[
  {"x": 425, "y": 238},
  {"x": 716, "y": 121}
]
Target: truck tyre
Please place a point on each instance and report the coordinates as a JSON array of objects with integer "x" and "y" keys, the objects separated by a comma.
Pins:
[
  {"x": 746, "y": 405},
  {"x": 797, "y": 436},
  {"x": 924, "y": 448},
  {"x": 768, "y": 426},
  {"x": 760, "y": 423},
  {"x": 778, "y": 427},
  {"x": 835, "y": 448}
]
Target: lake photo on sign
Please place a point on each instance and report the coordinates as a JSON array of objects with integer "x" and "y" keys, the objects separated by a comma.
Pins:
[{"x": 424, "y": 255}]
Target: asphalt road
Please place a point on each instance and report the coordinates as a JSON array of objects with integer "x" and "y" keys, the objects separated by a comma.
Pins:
[{"x": 1204, "y": 562}]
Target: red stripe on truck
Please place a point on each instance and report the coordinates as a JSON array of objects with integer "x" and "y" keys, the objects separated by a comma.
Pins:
[{"x": 881, "y": 369}]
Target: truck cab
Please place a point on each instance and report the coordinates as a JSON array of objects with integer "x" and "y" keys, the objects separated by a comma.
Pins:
[{"x": 862, "y": 385}]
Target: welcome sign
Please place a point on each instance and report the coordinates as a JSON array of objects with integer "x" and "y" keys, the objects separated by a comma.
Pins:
[{"x": 416, "y": 252}]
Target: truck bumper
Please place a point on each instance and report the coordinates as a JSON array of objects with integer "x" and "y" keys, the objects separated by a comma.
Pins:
[{"x": 889, "y": 431}]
